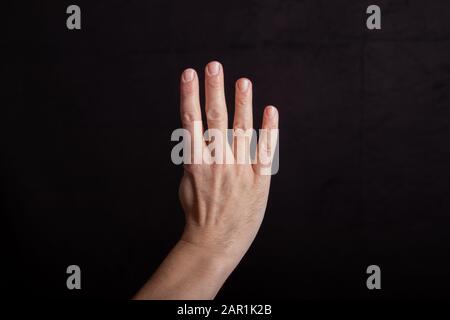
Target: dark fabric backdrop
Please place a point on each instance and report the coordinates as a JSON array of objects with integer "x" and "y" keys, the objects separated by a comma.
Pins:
[{"x": 86, "y": 118}]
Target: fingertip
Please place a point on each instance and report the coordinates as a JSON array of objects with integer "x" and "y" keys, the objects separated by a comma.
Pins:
[
  {"x": 188, "y": 75},
  {"x": 270, "y": 118},
  {"x": 213, "y": 68},
  {"x": 271, "y": 112},
  {"x": 243, "y": 84}
]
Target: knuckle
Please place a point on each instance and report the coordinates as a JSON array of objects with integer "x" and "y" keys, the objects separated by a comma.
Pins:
[
  {"x": 266, "y": 147},
  {"x": 214, "y": 83},
  {"x": 215, "y": 114},
  {"x": 240, "y": 127},
  {"x": 188, "y": 89},
  {"x": 192, "y": 169},
  {"x": 241, "y": 101},
  {"x": 188, "y": 117}
]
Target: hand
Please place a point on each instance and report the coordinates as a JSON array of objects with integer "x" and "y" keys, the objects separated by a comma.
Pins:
[{"x": 224, "y": 203}]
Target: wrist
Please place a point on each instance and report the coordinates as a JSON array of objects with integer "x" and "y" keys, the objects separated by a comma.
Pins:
[
  {"x": 218, "y": 241},
  {"x": 209, "y": 256}
]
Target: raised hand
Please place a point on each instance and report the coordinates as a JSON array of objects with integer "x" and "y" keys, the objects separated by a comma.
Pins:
[{"x": 223, "y": 191}]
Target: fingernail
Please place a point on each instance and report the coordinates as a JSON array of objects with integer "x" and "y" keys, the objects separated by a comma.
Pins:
[
  {"x": 213, "y": 68},
  {"x": 271, "y": 112},
  {"x": 243, "y": 85},
  {"x": 188, "y": 75}
]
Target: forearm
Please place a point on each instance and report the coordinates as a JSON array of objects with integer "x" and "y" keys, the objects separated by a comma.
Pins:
[{"x": 189, "y": 272}]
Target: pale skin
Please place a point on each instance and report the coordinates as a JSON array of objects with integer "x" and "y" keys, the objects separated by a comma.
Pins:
[{"x": 224, "y": 204}]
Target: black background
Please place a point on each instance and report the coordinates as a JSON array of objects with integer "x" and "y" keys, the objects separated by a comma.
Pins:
[{"x": 364, "y": 172}]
